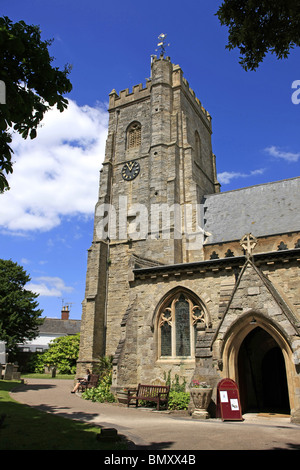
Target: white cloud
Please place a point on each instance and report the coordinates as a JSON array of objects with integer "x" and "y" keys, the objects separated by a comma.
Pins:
[
  {"x": 56, "y": 174},
  {"x": 49, "y": 286},
  {"x": 226, "y": 176},
  {"x": 287, "y": 156}
]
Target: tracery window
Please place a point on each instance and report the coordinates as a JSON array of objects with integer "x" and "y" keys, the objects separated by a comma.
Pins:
[
  {"x": 134, "y": 134},
  {"x": 177, "y": 326}
]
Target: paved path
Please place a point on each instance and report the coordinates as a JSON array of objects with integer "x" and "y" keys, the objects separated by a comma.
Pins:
[{"x": 162, "y": 430}]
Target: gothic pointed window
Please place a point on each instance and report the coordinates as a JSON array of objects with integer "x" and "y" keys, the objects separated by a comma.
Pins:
[
  {"x": 134, "y": 133},
  {"x": 177, "y": 326}
]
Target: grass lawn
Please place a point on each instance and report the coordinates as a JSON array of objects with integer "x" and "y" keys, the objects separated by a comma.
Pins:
[
  {"x": 47, "y": 376},
  {"x": 25, "y": 428}
]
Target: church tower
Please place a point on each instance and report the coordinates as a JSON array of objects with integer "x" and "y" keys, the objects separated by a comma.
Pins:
[{"x": 158, "y": 166}]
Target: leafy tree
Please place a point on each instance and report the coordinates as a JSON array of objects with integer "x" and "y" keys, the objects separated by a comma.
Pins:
[
  {"x": 32, "y": 86},
  {"x": 63, "y": 353},
  {"x": 19, "y": 316},
  {"x": 257, "y": 27}
]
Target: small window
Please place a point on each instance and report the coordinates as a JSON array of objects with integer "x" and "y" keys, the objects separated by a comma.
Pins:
[
  {"x": 197, "y": 148},
  {"x": 134, "y": 134},
  {"x": 177, "y": 326}
]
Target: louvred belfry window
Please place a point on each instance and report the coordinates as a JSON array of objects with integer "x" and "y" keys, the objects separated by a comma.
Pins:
[{"x": 134, "y": 134}]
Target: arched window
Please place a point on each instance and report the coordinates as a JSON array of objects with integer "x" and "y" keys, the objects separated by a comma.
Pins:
[
  {"x": 177, "y": 325},
  {"x": 134, "y": 133}
]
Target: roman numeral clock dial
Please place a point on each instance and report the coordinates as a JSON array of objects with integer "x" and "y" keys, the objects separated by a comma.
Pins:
[{"x": 130, "y": 170}]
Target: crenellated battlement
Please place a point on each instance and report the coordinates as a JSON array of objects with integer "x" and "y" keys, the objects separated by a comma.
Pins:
[
  {"x": 180, "y": 80},
  {"x": 125, "y": 97},
  {"x": 197, "y": 101},
  {"x": 175, "y": 79}
]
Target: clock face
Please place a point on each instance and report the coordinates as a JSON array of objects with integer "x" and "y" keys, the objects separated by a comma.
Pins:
[{"x": 130, "y": 170}]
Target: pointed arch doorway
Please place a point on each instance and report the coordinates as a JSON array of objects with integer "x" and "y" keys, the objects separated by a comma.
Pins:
[{"x": 262, "y": 374}]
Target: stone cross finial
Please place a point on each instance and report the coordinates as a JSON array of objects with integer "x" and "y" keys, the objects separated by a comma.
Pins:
[{"x": 248, "y": 243}]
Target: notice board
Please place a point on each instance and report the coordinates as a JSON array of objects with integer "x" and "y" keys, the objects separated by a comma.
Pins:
[{"x": 228, "y": 401}]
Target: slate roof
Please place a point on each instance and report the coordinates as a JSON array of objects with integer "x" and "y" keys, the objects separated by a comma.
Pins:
[
  {"x": 60, "y": 327},
  {"x": 266, "y": 209}
]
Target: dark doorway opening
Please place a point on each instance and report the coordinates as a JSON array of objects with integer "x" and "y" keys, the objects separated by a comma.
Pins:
[{"x": 262, "y": 374}]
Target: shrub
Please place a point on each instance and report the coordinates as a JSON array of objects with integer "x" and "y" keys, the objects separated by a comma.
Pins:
[
  {"x": 62, "y": 354},
  {"x": 178, "y": 400},
  {"x": 175, "y": 386},
  {"x": 105, "y": 366},
  {"x": 102, "y": 392},
  {"x": 35, "y": 363}
]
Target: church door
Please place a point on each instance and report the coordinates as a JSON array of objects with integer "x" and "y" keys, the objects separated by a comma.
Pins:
[{"x": 262, "y": 374}]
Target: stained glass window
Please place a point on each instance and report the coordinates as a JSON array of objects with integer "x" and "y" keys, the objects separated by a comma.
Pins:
[
  {"x": 178, "y": 326},
  {"x": 182, "y": 320},
  {"x": 166, "y": 346}
]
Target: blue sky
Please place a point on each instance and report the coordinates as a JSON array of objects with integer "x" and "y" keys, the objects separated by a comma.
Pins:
[{"x": 46, "y": 219}]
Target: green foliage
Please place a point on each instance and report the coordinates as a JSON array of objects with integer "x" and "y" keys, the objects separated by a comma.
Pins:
[
  {"x": 178, "y": 400},
  {"x": 19, "y": 315},
  {"x": 62, "y": 354},
  {"x": 32, "y": 85},
  {"x": 102, "y": 392},
  {"x": 257, "y": 27},
  {"x": 105, "y": 366},
  {"x": 35, "y": 363},
  {"x": 175, "y": 385}
]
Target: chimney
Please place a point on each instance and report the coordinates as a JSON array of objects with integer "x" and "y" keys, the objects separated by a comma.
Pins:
[{"x": 65, "y": 313}]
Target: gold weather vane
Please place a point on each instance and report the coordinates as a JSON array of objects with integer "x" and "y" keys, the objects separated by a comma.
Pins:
[{"x": 162, "y": 44}]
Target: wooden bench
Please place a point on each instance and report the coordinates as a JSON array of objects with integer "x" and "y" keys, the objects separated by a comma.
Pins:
[
  {"x": 156, "y": 393},
  {"x": 93, "y": 382}
]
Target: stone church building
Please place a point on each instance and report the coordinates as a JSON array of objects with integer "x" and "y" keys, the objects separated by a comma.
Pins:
[{"x": 182, "y": 278}]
